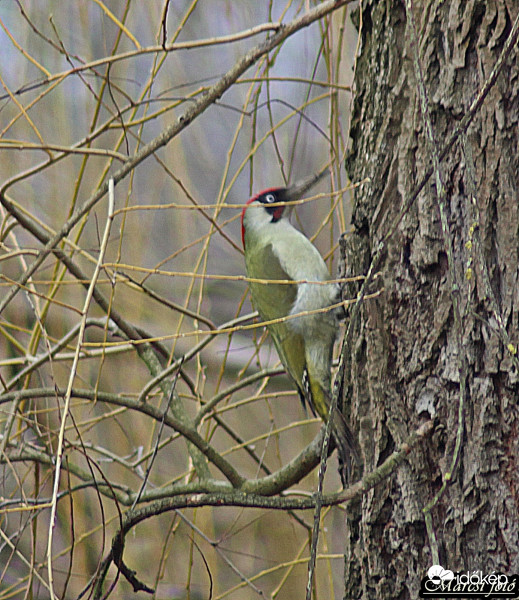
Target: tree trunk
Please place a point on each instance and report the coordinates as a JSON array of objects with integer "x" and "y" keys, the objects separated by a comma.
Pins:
[{"x": 410, "y": 361}]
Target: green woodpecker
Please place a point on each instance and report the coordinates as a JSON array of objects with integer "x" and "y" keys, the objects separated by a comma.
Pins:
[{"x": 276, "y": 251}]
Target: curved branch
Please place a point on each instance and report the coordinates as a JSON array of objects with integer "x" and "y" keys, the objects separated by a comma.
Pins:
[
  {"x": 271, "y": 484},
  {"x": 251, "y": 500},
  {"x": 184, "y": 429}
]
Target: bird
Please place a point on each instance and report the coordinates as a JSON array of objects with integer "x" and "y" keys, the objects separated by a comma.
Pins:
[{"x": 297, "y": 311}]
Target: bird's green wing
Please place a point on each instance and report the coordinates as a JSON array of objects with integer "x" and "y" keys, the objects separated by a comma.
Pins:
[{"x": 274, "y": 301}]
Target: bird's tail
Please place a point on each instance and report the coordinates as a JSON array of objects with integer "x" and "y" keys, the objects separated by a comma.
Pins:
[
  {"x": 320, "y": 401},
  {"x": 347, "y": 448}
]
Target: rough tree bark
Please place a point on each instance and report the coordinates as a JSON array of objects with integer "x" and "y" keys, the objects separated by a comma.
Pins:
[{"x": 405, "y": 364}]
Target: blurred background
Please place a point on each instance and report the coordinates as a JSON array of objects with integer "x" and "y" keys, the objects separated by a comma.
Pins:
[{"x": 85, "y": 85}]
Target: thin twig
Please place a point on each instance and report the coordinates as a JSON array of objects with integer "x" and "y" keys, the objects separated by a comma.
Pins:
[{"x": 68, "y": 394}]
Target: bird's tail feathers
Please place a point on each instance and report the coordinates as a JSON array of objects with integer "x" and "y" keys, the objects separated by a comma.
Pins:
[
  {"x": 347, "y": 448},
  {"x": 320, "y": 401}
]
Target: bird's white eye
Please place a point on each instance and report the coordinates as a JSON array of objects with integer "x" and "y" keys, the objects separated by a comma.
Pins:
[{"x": 269, "y": 198}]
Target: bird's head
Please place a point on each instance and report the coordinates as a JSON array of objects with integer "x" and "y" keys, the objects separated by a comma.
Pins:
[
  {"x": 270, "y": 206},
  {"x": 266, "y": 207}
]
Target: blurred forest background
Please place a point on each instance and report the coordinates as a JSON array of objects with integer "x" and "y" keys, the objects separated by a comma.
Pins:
[{"x": 85, "y": 85}]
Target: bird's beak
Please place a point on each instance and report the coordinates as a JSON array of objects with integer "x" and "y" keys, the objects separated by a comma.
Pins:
[{"x": 299, "y": 189}]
